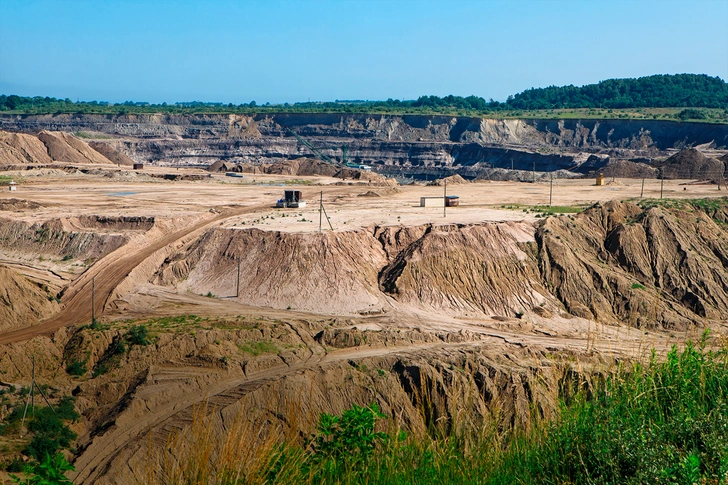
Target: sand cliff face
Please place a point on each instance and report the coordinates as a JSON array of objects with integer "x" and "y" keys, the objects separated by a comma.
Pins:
[
  {"x": 420, "y": 144},
  {"x": 614, "y": 263}
]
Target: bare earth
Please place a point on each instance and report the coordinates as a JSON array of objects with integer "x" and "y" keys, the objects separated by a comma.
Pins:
[{"x": 127, "y": 281}]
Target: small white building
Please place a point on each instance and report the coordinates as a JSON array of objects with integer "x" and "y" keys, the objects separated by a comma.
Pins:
[
  {"x": 432, "y": 201},
  {"x": 13, "y": 186}
]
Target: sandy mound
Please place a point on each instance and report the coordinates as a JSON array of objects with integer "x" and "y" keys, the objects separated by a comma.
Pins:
[
  {"x": 626, "y": 169},
  {"x": 22, "y": 303},
  {"x": 68, "y": 149},
  {"x": 302, "y": 166},
  {"x": 369, "y": 193},
  {"x": 115, "y": 156},
  {"x": 451, "y": 180},
  {"x": 477, "y": 268},
  {"x": 365, "y": 176},
  {"x": 218, "y": 166},
  {"x": 691, "y": 163},
  {"x": 21, "y": 148},
  {"x": 18, "y": 204},
  {"x": 330, "y": 273}
]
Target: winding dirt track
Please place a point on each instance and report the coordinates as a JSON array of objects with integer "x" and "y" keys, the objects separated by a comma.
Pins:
[{"x": 107, "y": 275}]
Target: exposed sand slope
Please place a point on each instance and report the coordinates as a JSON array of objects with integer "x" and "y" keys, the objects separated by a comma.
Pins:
[
  {"x": 69, "y": 149},
  {"x": 22, "y": 303},
  {"x": 18, "y": 148},
  {"x": 333, "y": 272},
  {"x": 654, "y": 267},
  {"x": 111, "y": 153}
]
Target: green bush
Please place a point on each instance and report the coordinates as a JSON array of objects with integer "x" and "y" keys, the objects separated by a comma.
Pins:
[
  {"x": 76, "y": 368},
  {"x": 138, "y": 335},
  {"x": 50, "y": 432},
  {"x": 51, "y": 471},
  {"x": 691, "y": 114}
]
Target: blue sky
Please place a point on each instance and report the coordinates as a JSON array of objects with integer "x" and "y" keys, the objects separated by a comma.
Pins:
[{"x": 278, "y": 51}]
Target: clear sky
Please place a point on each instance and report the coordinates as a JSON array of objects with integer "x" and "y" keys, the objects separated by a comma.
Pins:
[{"x": 278, "y": 51}]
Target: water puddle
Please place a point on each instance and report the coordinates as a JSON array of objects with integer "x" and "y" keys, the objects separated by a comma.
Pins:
[{"x": 120, "y": 194}]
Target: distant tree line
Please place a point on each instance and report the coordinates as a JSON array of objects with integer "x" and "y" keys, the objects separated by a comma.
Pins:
[{"x": 659, "y": 91}]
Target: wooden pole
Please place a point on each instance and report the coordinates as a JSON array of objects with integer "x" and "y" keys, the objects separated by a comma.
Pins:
[
  {"x": 662, "y": 184},
  {"x": 93, "y": 301},
  {"x": 237, "y": 285},
  {"x": 321, "y": 209},
  {"x": 551, "y": 190},
  {"x": 533, "y": 174},
  {"x": 327, "y": 216},
  {"x": 444, "y": 200},
  {"x": 642, "y": 192},
  {"x": 32, "y": 387}
]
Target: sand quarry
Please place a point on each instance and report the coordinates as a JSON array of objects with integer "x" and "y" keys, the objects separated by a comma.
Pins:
[
  {"x": 103, "y": 201},
  {"x": 394, "y": 286}
]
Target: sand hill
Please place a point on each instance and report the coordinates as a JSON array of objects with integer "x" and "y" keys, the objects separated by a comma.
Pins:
[
  {"x": 48, "y": 146},
  {"x": 691, "y": 163}
]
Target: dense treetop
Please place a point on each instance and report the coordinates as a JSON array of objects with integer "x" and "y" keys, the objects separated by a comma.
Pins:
[{"x": 659, "y": 91}]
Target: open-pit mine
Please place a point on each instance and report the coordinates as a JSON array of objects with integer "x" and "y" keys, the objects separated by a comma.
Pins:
[{"x": 573, "y": 245}]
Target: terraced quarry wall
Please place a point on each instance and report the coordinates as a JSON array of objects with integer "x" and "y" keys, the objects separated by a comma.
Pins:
[{"x": 433, "y": 145}]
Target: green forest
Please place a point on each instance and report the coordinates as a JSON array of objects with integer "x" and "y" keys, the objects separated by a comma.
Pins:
[{"x": 687, "y": 91}]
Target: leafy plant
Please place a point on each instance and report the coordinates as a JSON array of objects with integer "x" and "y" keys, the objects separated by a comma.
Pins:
[
  {"x": 76, "y": 368},
  {"x": 350, "y": 436},
  {"x": 51, "y": 471},
  {"x": 138, "y": 335}
]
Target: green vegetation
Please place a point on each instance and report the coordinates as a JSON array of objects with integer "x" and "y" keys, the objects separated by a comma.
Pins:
[
  {"x": 546, "y": 210},
  {"x": 47, "y": 425},
  {"x": 347, "y": 440},
  {"x": 659, "y": 91},
  {"x": 651, "y": 97},
  {"x": 51, "y": 471},
  {"x": 259, "y": 347},
  {"x": 691, "y": 114},
  {"x": 6, "y": 179},
  {"x": 138, "y": 335},
  {"x": 76, "y": 368},
  {"x": 638, "y": 286},
  {"x": 662, "y": 422}
]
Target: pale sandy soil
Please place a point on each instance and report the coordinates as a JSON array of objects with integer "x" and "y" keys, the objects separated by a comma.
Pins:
[{"x": 77, "y": 194}]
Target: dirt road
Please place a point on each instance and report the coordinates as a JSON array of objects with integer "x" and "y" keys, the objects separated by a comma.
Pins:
[{"x": 107, "y": 276}]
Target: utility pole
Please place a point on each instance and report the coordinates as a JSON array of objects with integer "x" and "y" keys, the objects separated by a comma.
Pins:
[
  {"x": 32, "y": 387},
  {"x": 322, "y": 213},
  {"x": 551, "y": 190},
  {"x": 237, "y": 285},
  {"x": 93, "y": 301},
  {"x": 662, "y": 183},
  {"x": 642, "y": 192},
  {"x": 511, "y": 164},
  {"x": 444, "y": 200},
  {"x": 533, "y": 174}
]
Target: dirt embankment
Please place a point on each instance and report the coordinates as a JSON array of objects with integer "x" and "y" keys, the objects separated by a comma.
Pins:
[
  {"x": 47, "y": 147},
  {"x": 659, "y": 266},
  {"x": 656, "y": 266},
  {"x": 23, "y": 302},
  {"x": 56, "y": 238},
  {"x": 283, "y": 372}
]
